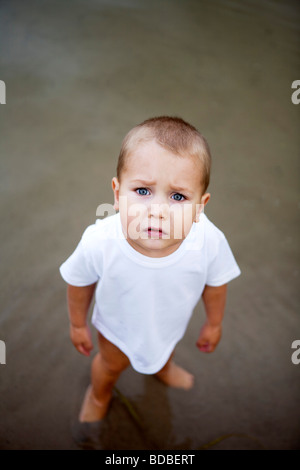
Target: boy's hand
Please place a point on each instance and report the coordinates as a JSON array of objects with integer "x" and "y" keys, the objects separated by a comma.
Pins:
[
  {"x": 82, "y": 339},
  {"x": 209, "y": 337}
]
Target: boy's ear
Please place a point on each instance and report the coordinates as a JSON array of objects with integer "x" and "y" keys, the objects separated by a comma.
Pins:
[
  {"x": 200, "y": 207},
  {"x": 116, "y": 187},
  {"x": 205, "y": 198}
]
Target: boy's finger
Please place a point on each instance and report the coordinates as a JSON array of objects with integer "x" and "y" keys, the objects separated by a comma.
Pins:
[
  {"x": 81, "y": 349},
  {"x": 205, "y": 347},
  {"x": 84, "y": 350}
]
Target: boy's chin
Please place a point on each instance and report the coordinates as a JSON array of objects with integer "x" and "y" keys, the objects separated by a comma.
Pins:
[
  {"x": 157, "y": 244},
  {"x": 154, "y": 248}
]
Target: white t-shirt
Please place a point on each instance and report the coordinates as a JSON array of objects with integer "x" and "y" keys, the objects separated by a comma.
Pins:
[{"x": 143, "y": 304}]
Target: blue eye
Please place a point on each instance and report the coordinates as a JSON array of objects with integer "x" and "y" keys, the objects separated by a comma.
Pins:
[
  {"x": 178, "y": 197},
  {"x": 142, "y": 191}
]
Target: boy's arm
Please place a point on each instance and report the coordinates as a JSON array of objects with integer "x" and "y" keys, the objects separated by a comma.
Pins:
[
  {"x": 79, "y": 300},
  {"x": 214, "y": 299}
]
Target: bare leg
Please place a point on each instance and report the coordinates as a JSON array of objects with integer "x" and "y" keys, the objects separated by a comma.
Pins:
[
  {"x": 106, "y": 369},
  {"x": 174, "y": 376}
]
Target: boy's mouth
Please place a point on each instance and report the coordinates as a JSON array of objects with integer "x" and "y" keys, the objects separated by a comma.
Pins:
[{"x": 154, "y": 232}]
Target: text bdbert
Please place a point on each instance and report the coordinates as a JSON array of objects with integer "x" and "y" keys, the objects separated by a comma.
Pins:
[{"x": 171, "y": 459}]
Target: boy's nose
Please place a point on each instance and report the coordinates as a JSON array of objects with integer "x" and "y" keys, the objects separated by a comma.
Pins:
[{"x": 158, "y": 210}]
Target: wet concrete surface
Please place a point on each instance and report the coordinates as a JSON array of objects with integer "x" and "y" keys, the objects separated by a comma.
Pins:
[{"x": 79, "y": 74}]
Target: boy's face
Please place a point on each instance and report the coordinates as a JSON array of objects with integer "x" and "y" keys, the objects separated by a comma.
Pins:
[{"x": 159, "y": 197}]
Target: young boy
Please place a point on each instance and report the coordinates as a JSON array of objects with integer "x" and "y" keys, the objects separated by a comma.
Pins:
[{"x": 150, "y": 263}]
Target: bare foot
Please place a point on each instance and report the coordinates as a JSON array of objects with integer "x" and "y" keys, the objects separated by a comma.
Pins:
[
  {"x": 91, "y": 409},
  {"x": 175, "y": 376}
]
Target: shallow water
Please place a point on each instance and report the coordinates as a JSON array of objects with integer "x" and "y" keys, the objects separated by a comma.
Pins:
[{"x": 79, "y": 75}]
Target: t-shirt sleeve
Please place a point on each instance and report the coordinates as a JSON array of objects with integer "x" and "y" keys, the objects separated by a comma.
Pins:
[
  {"x": 223, "y": 267},
  {"x": 78, "y": 269}
]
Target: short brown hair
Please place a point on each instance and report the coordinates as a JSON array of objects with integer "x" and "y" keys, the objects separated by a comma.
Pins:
[{"x": 172, "y": 133}]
